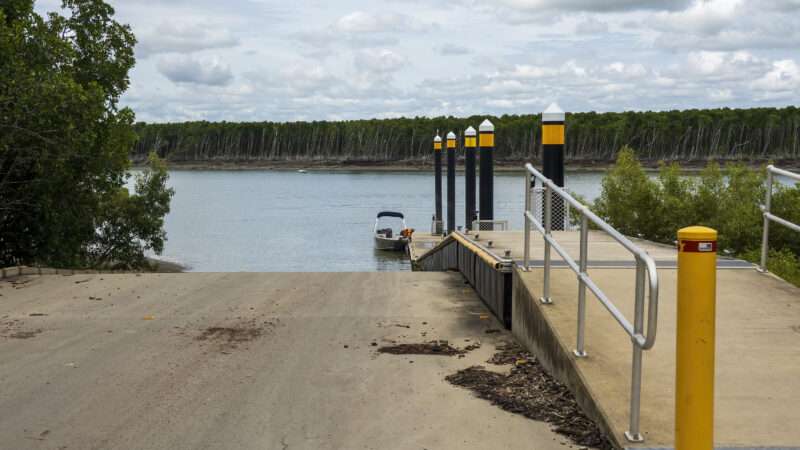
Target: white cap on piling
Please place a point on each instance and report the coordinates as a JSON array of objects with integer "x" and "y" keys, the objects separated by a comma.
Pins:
[
  {"x": 486, "y": 125},
  {"x": 437, "y": 138},
  {"x": 553, "y": 113},
  {"x": 451, "y": 136},
  {"x": 470, "y": 132}
]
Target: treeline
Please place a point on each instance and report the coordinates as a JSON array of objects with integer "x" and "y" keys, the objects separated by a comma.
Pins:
[{"x": 756, "y": 134}]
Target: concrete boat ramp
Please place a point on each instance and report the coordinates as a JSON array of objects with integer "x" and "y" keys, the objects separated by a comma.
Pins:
[
  {"x": 290, "y": 360},
  {"x": 247, "y": 361}
]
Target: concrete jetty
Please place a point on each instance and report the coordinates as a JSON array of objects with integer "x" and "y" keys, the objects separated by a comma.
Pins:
[
  {"x": 758, "y": 340},
  {"x": 246, "y": 361}
]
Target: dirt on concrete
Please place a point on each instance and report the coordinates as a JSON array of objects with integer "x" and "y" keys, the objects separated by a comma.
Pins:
[
  {"x": 441, "y": 348},
  {"x": 16, "y": 329},
  {"x": 230, "y": 337},
  {"x": 230, "y": 334},
  {"x": 530, "y": 391},
  {"x": 24, "y": 334}
]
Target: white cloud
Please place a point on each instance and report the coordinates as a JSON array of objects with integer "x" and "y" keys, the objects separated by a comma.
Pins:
[
  {"x": 364, "y": 22},
  {"x": 454, "y": 50},
  {"x": 360, "y": 29},
  {"x": 720, "y": 95},
  {"x": 599, "y": 5},
  {"x": 269, "y": 60},
  {"x": 623, "y": 70},
  {"x": 591, "y": 25},
  {"x": 186, "y": 69},
  {"x": 174, "y": 37},
  {"x": 730, "y": 25},
  {"x": 379, "y": 61},
  {"x": 784, "y": 76},
  {"x": 706, "y": 63},
  {"x": 707, "y": 16}
]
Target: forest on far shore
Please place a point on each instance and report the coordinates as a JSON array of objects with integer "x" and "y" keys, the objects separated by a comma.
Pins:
[{"x": 756, "y": 134}]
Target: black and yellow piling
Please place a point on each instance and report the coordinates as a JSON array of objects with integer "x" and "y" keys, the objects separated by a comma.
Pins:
[
  {"x": 486, "y": 144},
  {"x": 451, "y": 182},
  {"x": 553, "y": 158},
  {"x": 437, "y": 163},
  {"x": 470, "y": 143}
]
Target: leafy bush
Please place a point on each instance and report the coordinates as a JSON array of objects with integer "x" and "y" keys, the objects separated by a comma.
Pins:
[
  {"x": 738, "y": 217},
  {"x": 786, "y": 204},
  {"x": 630, "y": 199},
  {"x": 783, "y": 263},
  {"x": 727, "y": 200}
]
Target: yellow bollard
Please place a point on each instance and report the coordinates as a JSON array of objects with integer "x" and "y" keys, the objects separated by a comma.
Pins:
[{"x": 694, "y": 377}]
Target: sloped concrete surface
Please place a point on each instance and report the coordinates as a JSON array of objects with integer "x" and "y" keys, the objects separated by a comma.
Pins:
[{"x": 155, "y": 362}]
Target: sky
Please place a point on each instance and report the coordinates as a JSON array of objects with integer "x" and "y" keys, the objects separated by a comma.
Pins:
[{"x": 256, "y": 60}]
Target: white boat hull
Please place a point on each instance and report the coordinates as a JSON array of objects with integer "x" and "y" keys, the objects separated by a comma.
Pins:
[{"x": 383, "y": 243}]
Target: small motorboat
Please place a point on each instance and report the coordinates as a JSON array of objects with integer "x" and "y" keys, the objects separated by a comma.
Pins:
[{"x": 388, "y": 238}]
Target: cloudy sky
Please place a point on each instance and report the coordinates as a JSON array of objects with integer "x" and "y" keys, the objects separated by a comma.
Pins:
[{"x": 252, "y": 60}]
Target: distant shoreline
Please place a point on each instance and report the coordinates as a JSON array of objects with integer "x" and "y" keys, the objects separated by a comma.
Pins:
[{"x": 417, "y": 166}]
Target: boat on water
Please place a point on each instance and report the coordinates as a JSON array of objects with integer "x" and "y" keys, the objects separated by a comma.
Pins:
[{"x": 388, "y": 238}]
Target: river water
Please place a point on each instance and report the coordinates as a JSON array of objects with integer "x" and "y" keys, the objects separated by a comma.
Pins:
[{"x": 284, "y": 221}]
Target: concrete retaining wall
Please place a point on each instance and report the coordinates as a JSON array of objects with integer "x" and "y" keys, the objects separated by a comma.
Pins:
[
  {"x": 531, "y": 328},
  {"x": 492, "y": 284}
]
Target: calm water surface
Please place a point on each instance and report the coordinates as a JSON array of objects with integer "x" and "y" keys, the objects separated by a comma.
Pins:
[{"x": 278, "y": 221}]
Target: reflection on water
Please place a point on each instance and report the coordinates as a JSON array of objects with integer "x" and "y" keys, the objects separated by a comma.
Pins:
[{"x": 390, "y": 261}]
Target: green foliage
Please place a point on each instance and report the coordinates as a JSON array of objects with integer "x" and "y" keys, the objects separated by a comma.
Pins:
[
  {"x": 784, "y": 263},
  {"x": 134, "y": 224},
  {"x": 64, "y": 142},
  {"x": 738, "y": 217},
  {"x": 693, "y": 135},
  {"x": 786, "y": 204},
  {"x": 630, "y": 199},
  {"x": 676, "y": 202},
  {"x": 727, "y": 200}
]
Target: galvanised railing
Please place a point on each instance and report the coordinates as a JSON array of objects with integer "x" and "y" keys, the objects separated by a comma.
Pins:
[
  {"x": 769, "y": 217},
  {"x": 646, "y": 280}
]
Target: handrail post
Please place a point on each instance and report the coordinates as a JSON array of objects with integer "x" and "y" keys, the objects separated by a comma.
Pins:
[
  {"x": 527, "y": 250},
  {"x": 765, "y": 213},
  {"x": 548, "y": 202},
  {"x": 579, "y": 351},
  {"x": 633, "y": 434}
]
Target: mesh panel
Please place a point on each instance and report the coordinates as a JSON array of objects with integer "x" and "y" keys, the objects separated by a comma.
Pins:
[
  {"x": 560, "y": 215},
  {"x": 490, "y": 225}
]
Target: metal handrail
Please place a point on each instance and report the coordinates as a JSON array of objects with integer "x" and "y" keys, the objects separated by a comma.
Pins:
[
  {"x": 768, "y": 216},
  {"x": 645, "y": 272}
]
